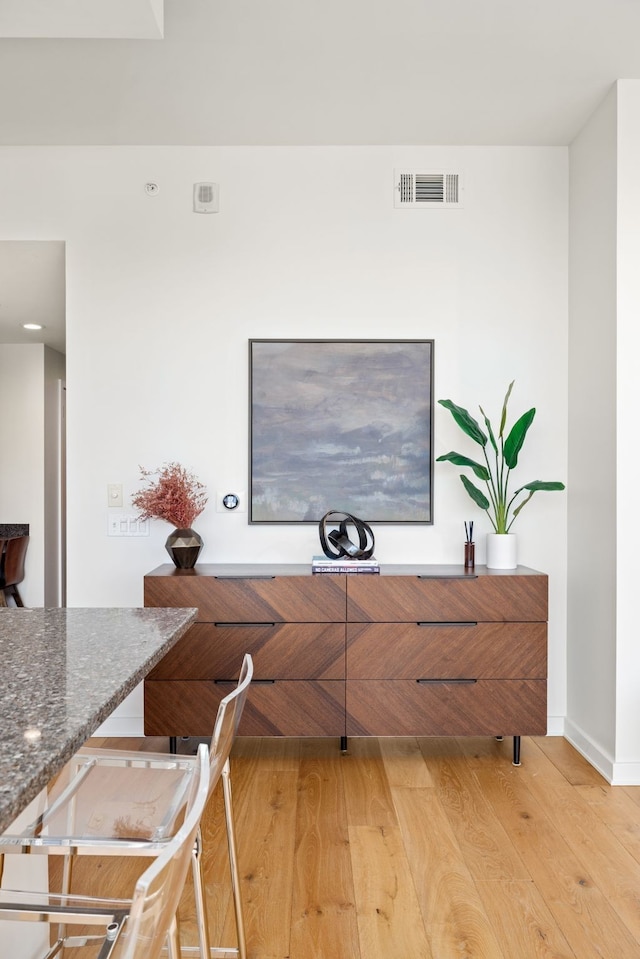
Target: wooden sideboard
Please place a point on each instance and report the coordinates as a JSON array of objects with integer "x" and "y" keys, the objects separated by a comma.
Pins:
[{"x": 413, "y": 651}]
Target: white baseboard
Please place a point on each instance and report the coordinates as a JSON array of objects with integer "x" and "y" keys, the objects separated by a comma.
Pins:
[
  {"x": 592, "y": 751},
  {"x": 616, "y": 773},
  {"x": 626, "y": 774},
  {"x": 123, "y": 726},
  {"x": 555, "y": 725}
]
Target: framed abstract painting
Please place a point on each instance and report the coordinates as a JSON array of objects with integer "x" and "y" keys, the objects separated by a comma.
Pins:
[{"x": 340, "y": 425}]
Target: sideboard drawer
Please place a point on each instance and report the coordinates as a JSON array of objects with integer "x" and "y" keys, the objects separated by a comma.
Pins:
[
  {"x": 493, "y": 598},
  {"x": 281, "y": 708},
  {"x": 262, "y": 599},
  {"x": 451, "y": 651},
  {"x": 279, "y": 651},
  {"x": 401, "y": 707}
]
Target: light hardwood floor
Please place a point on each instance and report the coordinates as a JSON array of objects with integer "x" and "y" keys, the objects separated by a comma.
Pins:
[{"x": 421, "y": 849}]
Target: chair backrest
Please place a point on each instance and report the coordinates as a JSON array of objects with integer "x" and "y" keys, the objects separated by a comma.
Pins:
[
  {"x": 159, "y": 888},
  {"x": 13, "y": 561},
  {"x": 228, "y": 717}
]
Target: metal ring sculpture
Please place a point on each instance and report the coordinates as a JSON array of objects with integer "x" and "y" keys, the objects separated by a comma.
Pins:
[{"x": 339, "y": 539}]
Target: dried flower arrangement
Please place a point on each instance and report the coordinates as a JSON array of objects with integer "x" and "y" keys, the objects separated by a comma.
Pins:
[{"x": 176, "y": 496}]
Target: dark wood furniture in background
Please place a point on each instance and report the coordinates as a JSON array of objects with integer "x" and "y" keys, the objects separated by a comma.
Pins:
[
  {"x": 414, "y": 651},
  {"x": 13, "y": 551}
]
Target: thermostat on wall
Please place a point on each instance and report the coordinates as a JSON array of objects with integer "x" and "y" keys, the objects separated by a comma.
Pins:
[{"x": 231, "y": 502}]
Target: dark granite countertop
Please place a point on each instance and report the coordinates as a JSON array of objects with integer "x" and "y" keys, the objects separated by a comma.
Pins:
[
  {"x": 9, "y": 530},
  {"x": 63, "y": 671}
]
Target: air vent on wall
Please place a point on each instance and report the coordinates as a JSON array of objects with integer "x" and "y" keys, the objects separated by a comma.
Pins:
[{"x": 423, "y": 191}]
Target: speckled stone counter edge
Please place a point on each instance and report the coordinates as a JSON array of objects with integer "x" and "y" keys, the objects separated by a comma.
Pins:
[
  {"x": 8, "y": 530},
  {"x": 25, "y": 772}
]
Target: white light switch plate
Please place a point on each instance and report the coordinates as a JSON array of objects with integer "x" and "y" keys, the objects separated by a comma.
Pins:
[
  {"x": 114, "y": 495},
  {"x": 126, "y": 524}
]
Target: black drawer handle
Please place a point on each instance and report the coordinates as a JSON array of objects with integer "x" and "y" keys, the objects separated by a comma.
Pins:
[
  {"x": 450, "y": 682},
  {"x": 234, "y": 682},
  {"x": 244, "y": 625},
  {"x": 444, "y": 623},
  {"x": 257, "y": 576},
  {"x": 444, "y": 577}
]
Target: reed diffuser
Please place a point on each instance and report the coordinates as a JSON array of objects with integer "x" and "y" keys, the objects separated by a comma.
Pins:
[{"x": 469, "y": 546}]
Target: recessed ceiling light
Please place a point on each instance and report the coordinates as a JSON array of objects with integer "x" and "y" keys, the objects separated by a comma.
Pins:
[{"x": 33, "y": 326}]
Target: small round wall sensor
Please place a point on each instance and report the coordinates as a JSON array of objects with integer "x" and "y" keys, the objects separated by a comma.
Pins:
[
  {"x": 230, "y": 501},
  {"x": 152, "y": 189}
]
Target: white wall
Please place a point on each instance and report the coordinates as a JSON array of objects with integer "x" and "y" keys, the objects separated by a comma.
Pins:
[
  {"x": 54, "y": 478},
  {"x": 603, "y": 714},
  {"x": 22, "y": 445},
  {"x": 592, "y": 431},
  {"x": 628, "y": 403},
  {"x": 161, "y": 303},
  {"x": 26, "y": 375}
]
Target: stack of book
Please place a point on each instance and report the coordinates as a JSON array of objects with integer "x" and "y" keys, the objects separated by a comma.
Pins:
[{"x": 322, "y": 564}]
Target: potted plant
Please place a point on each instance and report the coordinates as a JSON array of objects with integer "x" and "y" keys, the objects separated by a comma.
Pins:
[
  {"x": 500, "y": 457},
  {"x": 177, "y": 497}
]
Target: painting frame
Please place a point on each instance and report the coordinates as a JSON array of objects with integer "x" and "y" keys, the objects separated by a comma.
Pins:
[{"x": 341, "y": 424}]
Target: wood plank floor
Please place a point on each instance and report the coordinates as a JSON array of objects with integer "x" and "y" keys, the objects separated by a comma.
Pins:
[{"x": 421, "y": 848}]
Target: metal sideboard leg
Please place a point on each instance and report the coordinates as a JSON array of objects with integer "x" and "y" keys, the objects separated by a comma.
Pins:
[{"x": 516, "y": 750}]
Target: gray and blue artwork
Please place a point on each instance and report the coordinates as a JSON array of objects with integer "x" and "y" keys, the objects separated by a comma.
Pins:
[{"x": 343, "y": 425}]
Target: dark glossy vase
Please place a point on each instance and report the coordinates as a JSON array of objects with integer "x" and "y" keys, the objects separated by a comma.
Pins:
[{"x": 183, "y": 546}]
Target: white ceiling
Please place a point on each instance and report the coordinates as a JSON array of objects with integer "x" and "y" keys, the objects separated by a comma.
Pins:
[
  {"x": 139, "y": 19},
  {"x": 326, "y": 71},
  {"x": 503, "y": 72}
]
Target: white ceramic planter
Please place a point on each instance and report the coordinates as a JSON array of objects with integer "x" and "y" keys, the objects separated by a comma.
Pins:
[{"x": 502, "y": 550}]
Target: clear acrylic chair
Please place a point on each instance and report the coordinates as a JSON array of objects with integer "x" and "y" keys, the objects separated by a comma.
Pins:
[
  {"x": 136, "y": 928},
  {"x": 118, "y": 803}
]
